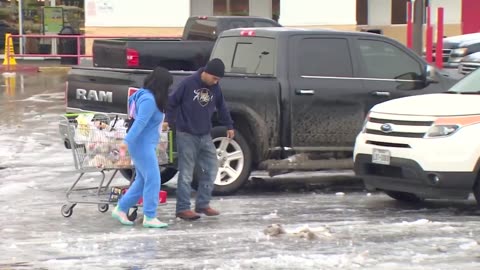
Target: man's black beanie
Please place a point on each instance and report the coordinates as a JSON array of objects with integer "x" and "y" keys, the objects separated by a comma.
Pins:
[{"x": 215, "y": 67}]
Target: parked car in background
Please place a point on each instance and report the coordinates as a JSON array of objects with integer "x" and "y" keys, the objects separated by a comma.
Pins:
[
  {"x": 469, "y": 63},
  {"x": 457, "y": 47}
]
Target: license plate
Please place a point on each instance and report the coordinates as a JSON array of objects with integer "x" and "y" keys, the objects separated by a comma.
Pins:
[{"x": 381, "y": 156}]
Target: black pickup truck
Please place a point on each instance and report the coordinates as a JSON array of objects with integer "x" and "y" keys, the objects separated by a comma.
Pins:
[
  {"x": 189, "y": 53},
  {"x": 298, "y": 97}
]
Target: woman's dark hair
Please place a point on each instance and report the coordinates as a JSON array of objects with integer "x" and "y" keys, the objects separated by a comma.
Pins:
[{"x": 158, "y": 83}]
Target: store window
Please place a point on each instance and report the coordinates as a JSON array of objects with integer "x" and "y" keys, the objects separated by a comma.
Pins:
[
  {"x": 73, "y": 14},
  {"x": 362, "y": 12},
  {"x": 241, "y": 8},
  {"x": 40, "y": 17},
  {"x": 276, "y": 10},
  {"x": 399, "y": 11},
  {"x": 230, "y": 7}
]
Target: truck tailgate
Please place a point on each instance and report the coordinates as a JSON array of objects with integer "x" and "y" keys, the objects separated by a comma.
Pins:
[
  {"x": 109, "y": 53},
  {"x": 100, "y": 90}
]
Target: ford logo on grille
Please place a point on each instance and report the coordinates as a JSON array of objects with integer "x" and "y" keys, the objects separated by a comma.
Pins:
[{"x": 387, "y": 128}]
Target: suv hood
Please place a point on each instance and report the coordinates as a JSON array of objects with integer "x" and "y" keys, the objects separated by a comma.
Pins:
[{"x": 432, "y": 105}]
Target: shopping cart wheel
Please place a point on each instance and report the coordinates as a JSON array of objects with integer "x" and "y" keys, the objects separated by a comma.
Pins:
[
  {"x": 67, "y": 210},
  {"x": 103, "y": 208},
  {"x": 132, "y": 214}
]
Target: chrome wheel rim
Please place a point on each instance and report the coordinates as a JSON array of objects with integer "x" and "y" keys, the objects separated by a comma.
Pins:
[{"x": 230, "y": 160}]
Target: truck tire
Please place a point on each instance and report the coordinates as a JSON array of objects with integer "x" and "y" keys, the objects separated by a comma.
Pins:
[
  {"x": 404, "y": 196},
  {"x": 476, "y": 191},
  {"x": 166, "y": 174},
  {"x": 238, "y": 165}
]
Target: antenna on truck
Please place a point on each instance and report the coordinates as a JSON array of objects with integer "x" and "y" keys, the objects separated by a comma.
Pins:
[{"x": 260, "y": 60}]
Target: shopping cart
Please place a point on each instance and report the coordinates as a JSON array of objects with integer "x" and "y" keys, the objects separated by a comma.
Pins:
[{"x": 94, "y": 140}]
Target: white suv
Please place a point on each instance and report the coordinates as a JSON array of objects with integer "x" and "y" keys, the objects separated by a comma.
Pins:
[{"x": 425, "y": 146}]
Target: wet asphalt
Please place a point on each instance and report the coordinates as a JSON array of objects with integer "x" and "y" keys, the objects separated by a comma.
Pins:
[{"x": 350, "y": 228}]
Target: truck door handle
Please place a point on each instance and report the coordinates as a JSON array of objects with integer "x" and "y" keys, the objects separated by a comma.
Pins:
[
  {"x": 304, "y": 92},
  {"x": 381, "y": 93}
]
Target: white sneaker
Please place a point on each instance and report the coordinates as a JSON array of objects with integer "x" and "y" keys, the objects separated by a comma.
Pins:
[{"x": 153, "y": 223}]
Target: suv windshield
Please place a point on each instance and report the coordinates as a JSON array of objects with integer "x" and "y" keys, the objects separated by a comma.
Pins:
[{"x": 468, "y": 85}]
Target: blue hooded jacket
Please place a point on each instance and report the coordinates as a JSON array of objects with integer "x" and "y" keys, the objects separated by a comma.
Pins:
[{"x": 148, "y": 119}]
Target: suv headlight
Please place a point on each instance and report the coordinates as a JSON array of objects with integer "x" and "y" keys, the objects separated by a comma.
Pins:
[
  {"x": 441, "y": 131},
  {"x": 447, "y": 126},
  {"x": 459, "y": 51}
]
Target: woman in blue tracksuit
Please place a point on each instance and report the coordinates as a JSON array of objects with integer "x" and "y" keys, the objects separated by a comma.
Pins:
[{"x": 147, "y": 107}]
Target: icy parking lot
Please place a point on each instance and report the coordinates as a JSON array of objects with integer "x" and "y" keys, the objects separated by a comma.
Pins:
[{"x": 341, "y": 227}]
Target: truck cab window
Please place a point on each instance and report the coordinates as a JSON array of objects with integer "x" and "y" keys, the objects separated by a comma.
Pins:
[
  {"x": 263, "y": 24},
  {"x": 324, "y": 57},
  {"x": 252, "y": 55},
  {"x": 385, "y": 61},
  {"x": 201, "y": 29},
  {"x": 237, "y": 24}
]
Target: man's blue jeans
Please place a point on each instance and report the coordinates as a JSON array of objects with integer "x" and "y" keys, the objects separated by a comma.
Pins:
[{"x": 194, "y": 151}]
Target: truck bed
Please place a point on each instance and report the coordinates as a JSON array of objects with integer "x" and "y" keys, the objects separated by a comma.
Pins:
[{"x": 173, "y": 54}]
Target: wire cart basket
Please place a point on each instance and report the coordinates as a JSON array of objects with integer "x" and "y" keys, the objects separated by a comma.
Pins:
[{"x": 95, "y": 141}]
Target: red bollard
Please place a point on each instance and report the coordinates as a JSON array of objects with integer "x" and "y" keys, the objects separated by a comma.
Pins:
[
  {"x": 439, "y": 49},
  {"x": 409, "y": 25},
  {"x": 429, "y": 41}
]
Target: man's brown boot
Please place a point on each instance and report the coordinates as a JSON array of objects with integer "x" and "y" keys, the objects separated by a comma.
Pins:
[
  {"x": 208, "y": 211},
  {"x": 188, "y": 215}
]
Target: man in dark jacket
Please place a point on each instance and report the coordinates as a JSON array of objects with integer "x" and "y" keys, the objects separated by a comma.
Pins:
[{"x": 191, "y": 107}]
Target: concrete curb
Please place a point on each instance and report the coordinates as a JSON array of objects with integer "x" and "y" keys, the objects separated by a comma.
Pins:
[{"x": 54, "y": 69}]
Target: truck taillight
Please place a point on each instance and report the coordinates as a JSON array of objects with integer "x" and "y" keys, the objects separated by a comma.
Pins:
[
  {"x": 133, "y": 59},
  {"x": 247, "y": 33}
]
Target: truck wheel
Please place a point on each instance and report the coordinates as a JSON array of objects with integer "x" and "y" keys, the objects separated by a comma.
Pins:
[
  {"x": 235, "y": 161},
  {"x": 166, "y": 174},
  {"x": 404, "y": 196}
]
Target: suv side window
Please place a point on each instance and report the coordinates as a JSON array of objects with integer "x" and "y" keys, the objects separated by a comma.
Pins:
[
  {"x": 328, "y": 57},
  {"x": 385, "y": 61}
]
